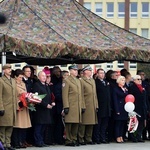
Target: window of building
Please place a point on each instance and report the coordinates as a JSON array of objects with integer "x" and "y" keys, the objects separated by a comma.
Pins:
[
  {"x": 87, "y": 5},
  {"x": 98, "y": 66},
  {"x": 109, "y": 65},
  {"x": 110, "y": 10},
  {"x": 133, "y": 65},
  {"x": 63, "y": 65},
  {"x": 133, "y": 10},
  {"x": 17, "y": 65},
  {"x": 145, "y": 10},
  {"x": 121, "y": 9},
  {"x": 144, "y": 33},
  {"x": 133, "y": 30},
  {"x": 98, "y": 8},
  {"x": 120, "y": 64}
]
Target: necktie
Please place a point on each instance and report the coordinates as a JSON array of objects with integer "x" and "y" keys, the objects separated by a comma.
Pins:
[{"x": 104, "y": 83}]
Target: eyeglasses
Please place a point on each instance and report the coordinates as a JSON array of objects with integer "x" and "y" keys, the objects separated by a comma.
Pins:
[{"x": 139, "y": 79}]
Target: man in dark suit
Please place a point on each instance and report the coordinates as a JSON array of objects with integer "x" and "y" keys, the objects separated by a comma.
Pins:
[
  {"x": 139, "y": 92},
  {"x": 41, "y": 116},
  {"x": 113, "y": 84},
  {"x": 146, "y": 85},
  {"x": 58, "y": 127},
  {"x": 29, "y": 85},
  {"x": 26, "y": 79},
  {"x": 104, "y": 111}
]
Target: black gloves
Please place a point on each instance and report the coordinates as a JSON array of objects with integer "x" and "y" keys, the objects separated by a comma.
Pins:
[
  {"x": 66, "y": 111},
  {"x": 2, "y": 112},
  {"x": 83, "y": 110},
  {"x": 20, "y": 104},
  {"x": 96, "y": 109}
]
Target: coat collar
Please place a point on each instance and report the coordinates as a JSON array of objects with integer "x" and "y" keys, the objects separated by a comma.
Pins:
[
  {"x": 72, "y": 79},
  {"x": 7, "y": 81},
  {"x": 88, "y": 80}
]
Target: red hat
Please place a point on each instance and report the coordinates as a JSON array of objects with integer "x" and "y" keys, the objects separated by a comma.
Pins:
[{"x": 46, "y": 70}]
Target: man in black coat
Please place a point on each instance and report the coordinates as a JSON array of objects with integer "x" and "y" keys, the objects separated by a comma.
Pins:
[
  {"x": 58, "y": 127},
  {"x": 146, "y": 86},
  {"x": 139, "y": 92},
  {"x": 26, "y": 79},
  {"x": 42, "y": 115},
  {"x": 104, "y": 112},
  {"x": 29, "y": 85},
  {"x": 113, "y": 84}
]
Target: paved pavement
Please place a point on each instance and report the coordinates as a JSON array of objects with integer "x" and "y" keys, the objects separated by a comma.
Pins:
[{"x": 111, "y": 146}]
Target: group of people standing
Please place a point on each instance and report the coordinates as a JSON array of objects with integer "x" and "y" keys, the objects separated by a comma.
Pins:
[
  {"x": 82, "y": 109},
  {"x": 94, "y": 108}
]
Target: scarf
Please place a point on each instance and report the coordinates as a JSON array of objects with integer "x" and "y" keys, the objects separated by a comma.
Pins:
[{"x": 140, "y": 87}]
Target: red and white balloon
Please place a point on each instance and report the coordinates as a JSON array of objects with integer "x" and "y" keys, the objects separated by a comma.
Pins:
[{"x": 129, "y": 106}]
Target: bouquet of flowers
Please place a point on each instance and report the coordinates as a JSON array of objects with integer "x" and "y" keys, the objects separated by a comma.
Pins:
[
  {"x": 29, "y": 100},
  {"x": 133, "y": 122}
]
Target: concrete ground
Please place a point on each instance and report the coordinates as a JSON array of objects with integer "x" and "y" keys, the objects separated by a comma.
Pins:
[{"x": 111, "y": 146}]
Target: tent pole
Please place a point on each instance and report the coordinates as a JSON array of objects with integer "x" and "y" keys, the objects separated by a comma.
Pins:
[
  {"x": 126, "y": 26},
  {"x": 3, "y": 58}
]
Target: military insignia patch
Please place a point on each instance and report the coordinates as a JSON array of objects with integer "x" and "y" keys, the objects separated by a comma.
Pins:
[{"x": 63, "y": 85}]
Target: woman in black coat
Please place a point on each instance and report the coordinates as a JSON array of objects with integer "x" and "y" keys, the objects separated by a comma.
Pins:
[
  {"x": 120, "y": 115},
  {"x": 139, "y": 93}
]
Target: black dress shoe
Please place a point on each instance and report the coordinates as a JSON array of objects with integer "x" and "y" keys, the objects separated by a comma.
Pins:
[
  {"x": 104, "y": 142},
  {"x": 134, "y": 140},
  {"x": 140, "y": 140},
  {"x": 82, "y": 143},
  {"x": 38, "y": 145},
  {"x": 9, "y": 148},
  {"x": 90, "y": 143},
  {"x": 97, "y": 142},
  {"x": 70, "y": 144},
  {"x": 77, "y": 144},
  {"x": 23, "y": 146},
  {"x": 17, "y": 146},
  {"x": 45, "y": 145}
]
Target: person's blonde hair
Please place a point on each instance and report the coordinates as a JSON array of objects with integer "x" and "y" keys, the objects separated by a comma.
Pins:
[{"x": 120, "y": 78}]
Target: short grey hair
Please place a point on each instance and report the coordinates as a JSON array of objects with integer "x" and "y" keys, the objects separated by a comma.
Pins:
[
  {"x": 40, "y": 73},
  {"x": 136, "y": 77},
  {"x": 120, "y": 78}
]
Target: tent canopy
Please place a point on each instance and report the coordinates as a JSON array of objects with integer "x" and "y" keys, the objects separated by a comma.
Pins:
[{"x": 63, "y": 31}]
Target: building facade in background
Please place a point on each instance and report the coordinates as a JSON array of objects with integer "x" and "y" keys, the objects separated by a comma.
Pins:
[{"x": 114, "y": 12}]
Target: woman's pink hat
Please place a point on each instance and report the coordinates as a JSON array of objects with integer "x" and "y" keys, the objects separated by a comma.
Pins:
[{"x": 46, "y": 70}]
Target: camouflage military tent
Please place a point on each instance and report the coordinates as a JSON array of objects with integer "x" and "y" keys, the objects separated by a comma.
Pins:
[{"x": 63, "y": 31}]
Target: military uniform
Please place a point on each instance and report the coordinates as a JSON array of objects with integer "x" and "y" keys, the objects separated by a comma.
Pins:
[
  {"x": 8, "y": 104},
  {"x": 72, "y": 101},
  {"x": 89, "y": 117}
]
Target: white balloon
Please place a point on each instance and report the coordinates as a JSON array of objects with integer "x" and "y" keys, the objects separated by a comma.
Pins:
[{"x": 129, "y": 107}]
